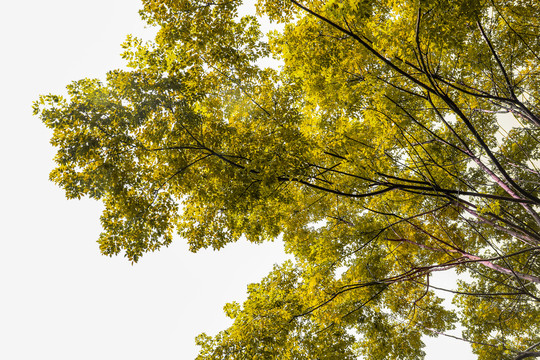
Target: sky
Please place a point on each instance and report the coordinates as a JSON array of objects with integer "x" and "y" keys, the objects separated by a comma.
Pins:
[{"x": 59, "y": 298}]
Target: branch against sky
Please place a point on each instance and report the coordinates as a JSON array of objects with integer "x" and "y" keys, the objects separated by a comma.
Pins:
[{"x": 372, "y": 152}]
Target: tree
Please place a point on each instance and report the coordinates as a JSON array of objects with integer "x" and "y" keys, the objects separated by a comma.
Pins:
[{"x": 376, "y": 152}]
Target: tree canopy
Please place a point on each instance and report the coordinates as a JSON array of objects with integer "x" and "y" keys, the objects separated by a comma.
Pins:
[{"x": 378, "y": 152}]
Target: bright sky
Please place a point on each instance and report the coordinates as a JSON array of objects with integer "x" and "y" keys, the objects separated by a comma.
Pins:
[{"x": 59, "y": 298}]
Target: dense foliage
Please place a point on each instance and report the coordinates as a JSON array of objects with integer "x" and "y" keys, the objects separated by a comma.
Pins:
[{"x": 377, "y": 151}]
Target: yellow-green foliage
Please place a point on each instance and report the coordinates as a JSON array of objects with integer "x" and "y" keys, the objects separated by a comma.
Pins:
[{"x": 375, "y": 151}]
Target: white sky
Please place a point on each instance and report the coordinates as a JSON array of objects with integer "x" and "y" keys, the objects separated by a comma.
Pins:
[{"x": 59, "y": 298}]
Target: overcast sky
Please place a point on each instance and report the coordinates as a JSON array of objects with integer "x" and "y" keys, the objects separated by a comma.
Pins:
[{"x": 59, "y": 298}]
